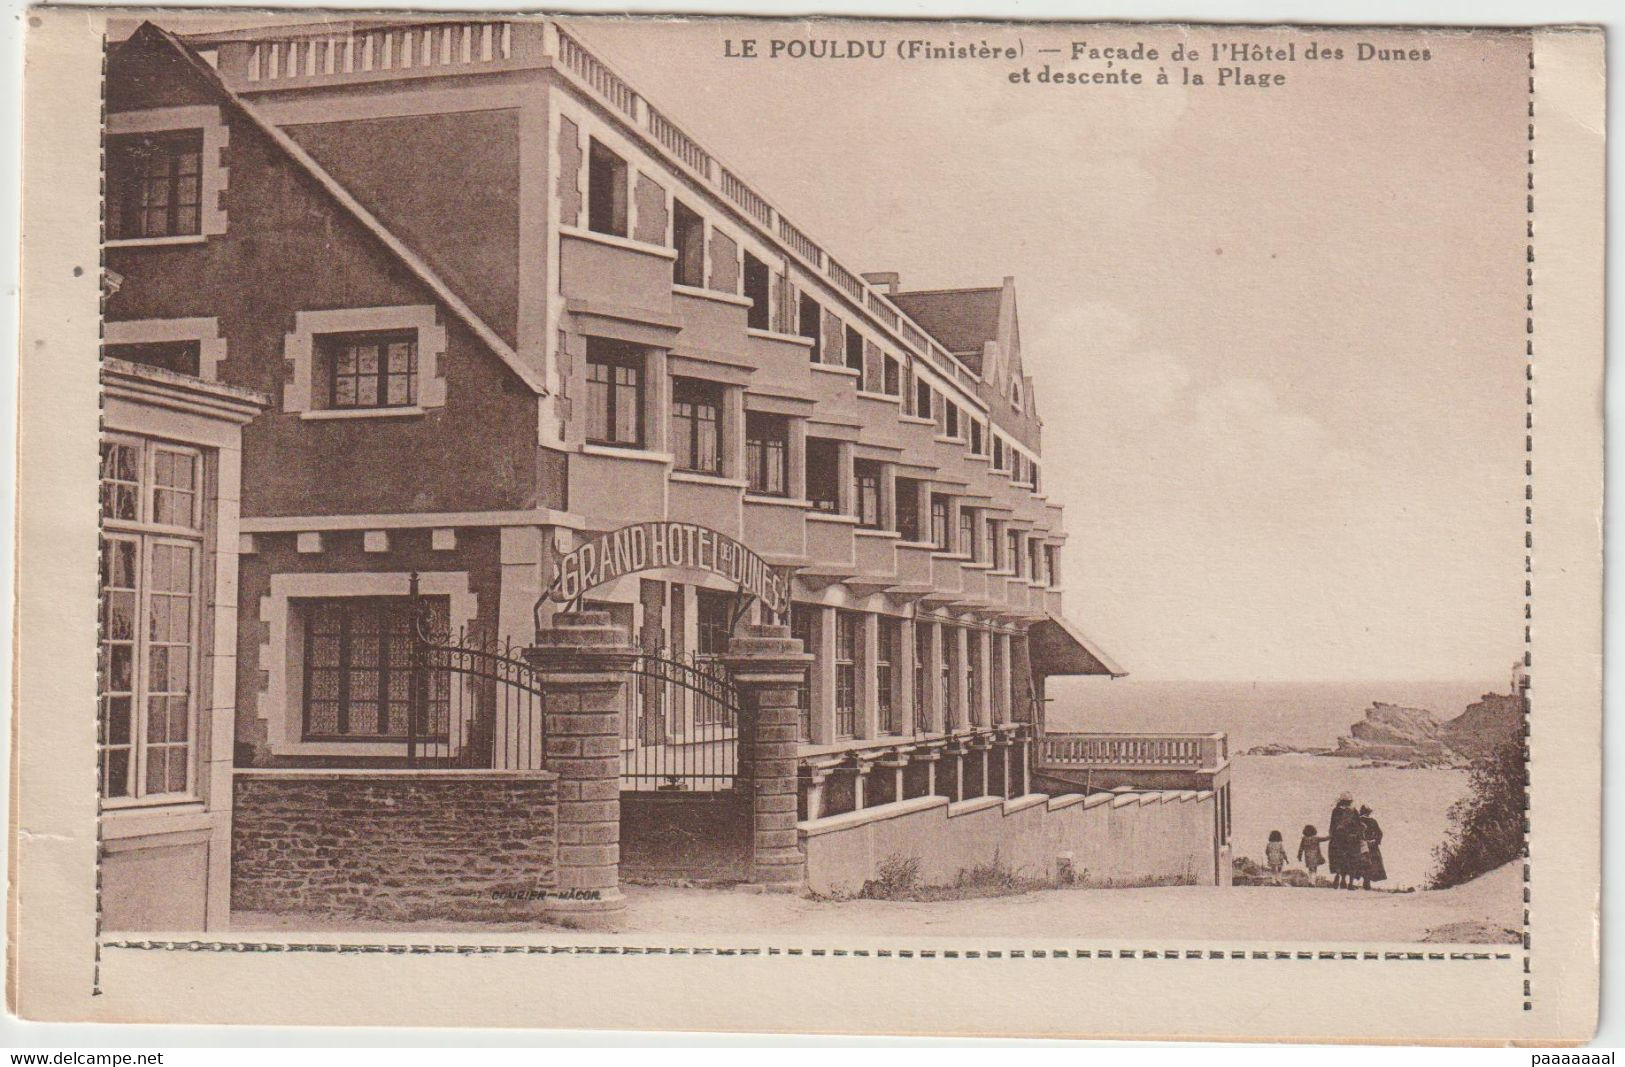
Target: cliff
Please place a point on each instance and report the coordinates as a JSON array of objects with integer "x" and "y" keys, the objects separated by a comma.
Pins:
[
  {"x": 1392, "y": 733},
  {"x": 1389, "y": 732}
]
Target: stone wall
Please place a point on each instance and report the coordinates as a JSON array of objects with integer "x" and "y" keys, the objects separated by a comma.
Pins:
[
  {"x": 397, "y": 845},
  {"x": 1106, "y": 839}
]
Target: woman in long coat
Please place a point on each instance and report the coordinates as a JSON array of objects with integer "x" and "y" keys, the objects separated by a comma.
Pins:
[
  {"x": 1371, "y": 868},
  {"x": 1343, "y": 843}
]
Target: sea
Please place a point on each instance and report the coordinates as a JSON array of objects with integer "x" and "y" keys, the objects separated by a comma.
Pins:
[
  {"x": 1300, "y": 714},
  {"x": 1288, "y": 792}
]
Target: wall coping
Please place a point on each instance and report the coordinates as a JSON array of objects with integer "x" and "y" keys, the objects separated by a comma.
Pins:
[
  {"x": 1066, "y": 800},
  {"x": 1095, "y": 800},
  {"x": 1022, "y": 803},
  {"x": 852, "y": 819},
  {"x": 970, "y": 807},
  {"x": 387, "y": 773}
]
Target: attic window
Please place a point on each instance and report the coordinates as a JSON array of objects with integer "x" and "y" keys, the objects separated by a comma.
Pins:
[
  {"x": 1015, "y": 393},
  {"x": 155, "y": 185}
]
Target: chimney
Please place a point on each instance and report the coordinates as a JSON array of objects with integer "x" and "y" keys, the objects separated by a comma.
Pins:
[{"x": 888, "y": 278}]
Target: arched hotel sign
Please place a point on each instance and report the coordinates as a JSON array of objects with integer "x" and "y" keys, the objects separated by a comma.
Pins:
[{"x": 647, "y": 546}]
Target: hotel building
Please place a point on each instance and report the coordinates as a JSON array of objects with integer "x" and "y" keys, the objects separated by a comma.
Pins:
[{"x": 491, "y": 302}]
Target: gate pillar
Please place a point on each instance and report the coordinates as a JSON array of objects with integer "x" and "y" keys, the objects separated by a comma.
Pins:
[
  {"x": 769, "y": 671},
  {"x": 585, "y": 663}
]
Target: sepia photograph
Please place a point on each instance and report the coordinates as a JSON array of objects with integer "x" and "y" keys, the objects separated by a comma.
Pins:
[{"x": 807, "y": 483}]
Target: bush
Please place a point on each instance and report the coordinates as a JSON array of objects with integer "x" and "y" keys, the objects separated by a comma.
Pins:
[
  {"x": 1486, "y": 825},
  {"x": 897, "y": 878}
]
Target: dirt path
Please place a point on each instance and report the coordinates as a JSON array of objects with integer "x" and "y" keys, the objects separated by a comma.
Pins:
[
  {"x": 1487, "y": 910},
  {"x": 1242, "y": 913}
]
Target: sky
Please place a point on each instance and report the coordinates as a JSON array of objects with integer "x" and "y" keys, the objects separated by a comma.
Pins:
[{"x": 1276, "y": 334}]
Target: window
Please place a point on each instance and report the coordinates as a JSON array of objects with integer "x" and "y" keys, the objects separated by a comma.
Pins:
[
  {"x": 1014, "y": 557},
  {"x": 824, "y": 474},
  {"x": 967, "y": 532},
  {"x": 696, "y": 425},
  {"x": 370, "y": 370},
  {"x": 922, "y": 659},
  {"x": 606, "y": 191},
  {"x": 950, "y": 694},
  {"x": 890, "y": 380},
  {"x": 1015, "y": 392},
  {"x": 1052, "y": 565},
  {"x": 866, "y": 483},
  {"x": 1033, "y": 470},
  {"x": 757, "y": 289},
  {"x": 854, "y": 350},
  {"x": 714, "y": 613},
  {"x": 614, "y": 393},
  {"x": 885, "y": 654},
  {"x": 973, "y": 678},
  {"x": 922, "y": 399},
  {"x": 811, "y": 324},
  {"x": 1034, "y": 560},
  {"x": 950, "y": 419},
  {"x": 908, "y": 509},
  {"x": 150, "y": 593},
  {"x": 994, "y": 554},
  {"x": 178, "y": 356},
  {"x": 802, "y": 618},
  {"x": 155, "y": 185},
  {"x": 998, "y": 453},
  {"x": 358, "y": 679},
  {"x": 846, "y": 673},
  {"x": 688, "y": 238},
  {"x": 939, "y": 521},
  {"x": 975, "y": 437},
  {"x": 767, "y": 451}
]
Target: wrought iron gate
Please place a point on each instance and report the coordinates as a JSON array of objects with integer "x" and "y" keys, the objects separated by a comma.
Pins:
[
  {"x": 473, "y": 702},
  {"x": 680, "y": 728}
]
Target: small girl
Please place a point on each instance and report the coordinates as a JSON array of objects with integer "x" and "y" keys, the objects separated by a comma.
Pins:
[
  {"x": 1275, "y": 852},
  {"x": 1309, "y": 850}
]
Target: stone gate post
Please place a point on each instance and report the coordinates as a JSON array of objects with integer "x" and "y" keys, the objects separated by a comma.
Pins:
[
  {"x": 585, "y": 661},
  {"x": 769, "y": 671}
]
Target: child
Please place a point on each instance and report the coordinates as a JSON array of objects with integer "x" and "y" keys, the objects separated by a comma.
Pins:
[
  {"x": 1309, "y": 851},
  {"x": 1275, "y": 852}
]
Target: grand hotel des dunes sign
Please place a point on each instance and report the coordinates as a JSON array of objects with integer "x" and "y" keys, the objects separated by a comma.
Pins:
[{"x": 647, "y": 546}]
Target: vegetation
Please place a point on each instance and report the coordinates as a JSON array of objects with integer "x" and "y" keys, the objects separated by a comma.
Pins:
[
  {"x": 1486, "y": 825},
  {"x": 898, "y": 878}
]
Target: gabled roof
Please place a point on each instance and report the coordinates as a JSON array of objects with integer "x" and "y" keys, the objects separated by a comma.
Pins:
[
  {"x": 413, "y": 263},
  {"x": 962, "y": 319}
]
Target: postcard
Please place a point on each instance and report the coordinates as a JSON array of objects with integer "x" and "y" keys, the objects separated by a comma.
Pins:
[{"x": 810, "y": 526}]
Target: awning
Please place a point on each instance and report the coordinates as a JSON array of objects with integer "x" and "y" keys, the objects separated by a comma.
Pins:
[{"x": 1056, "y": 646}]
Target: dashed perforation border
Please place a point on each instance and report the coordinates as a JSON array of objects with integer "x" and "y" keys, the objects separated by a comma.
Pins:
[
  {"x": 421, "y": 949},
  {"x": 1528, "y": 514}
]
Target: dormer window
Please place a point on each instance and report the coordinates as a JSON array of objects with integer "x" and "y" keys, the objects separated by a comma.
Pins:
[
  {"x": 155, "y": 185},
  {"x": 1015, "y": 393}
]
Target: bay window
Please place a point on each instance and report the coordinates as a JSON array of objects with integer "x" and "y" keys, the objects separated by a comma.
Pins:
[
  {"x": 939, "y": 521},
  {"x": 150, "y": 597},
  {"x": 866, "y": 492},
  {"x": 688, "y": 237},
  {"x": 696, "y": 425},
  {"x": 614, "y": 393},
  {"x": 824, "y": 474},
  {"x": 846, "y": 673},
  {"x": 767, "y": 452}
]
